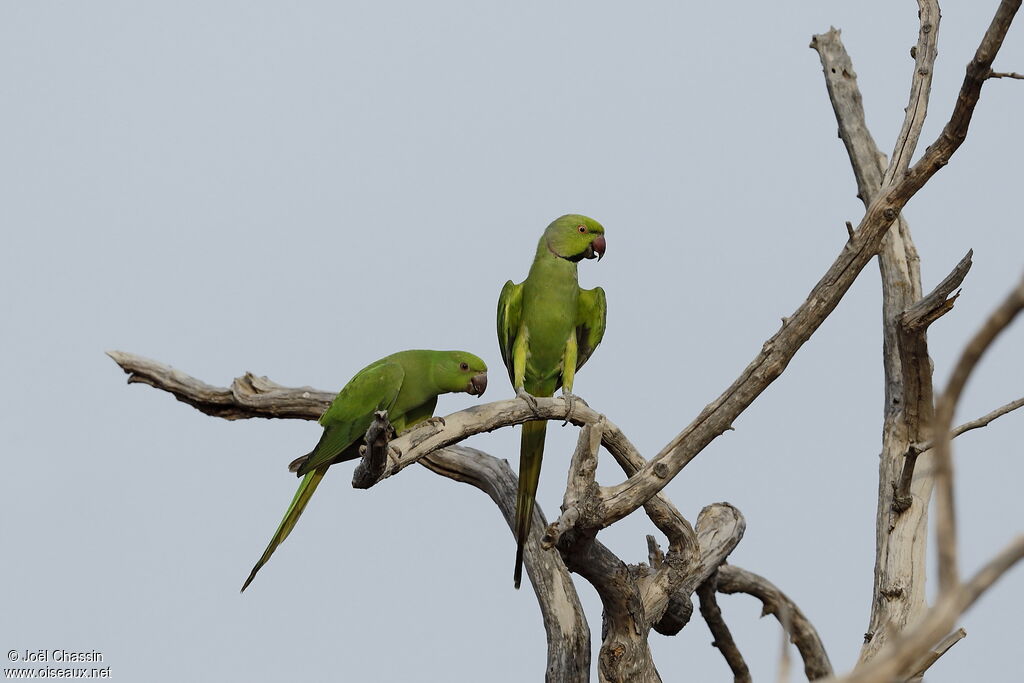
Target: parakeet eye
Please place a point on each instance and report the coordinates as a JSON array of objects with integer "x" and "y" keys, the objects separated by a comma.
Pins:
[
  {"x": 463, "y": 366},
  {"x": 582, "y": 228}
]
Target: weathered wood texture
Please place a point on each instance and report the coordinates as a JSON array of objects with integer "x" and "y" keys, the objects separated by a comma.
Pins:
[
  {"x": 722, "y": 636},
  {"x": 900, "y": 541}
]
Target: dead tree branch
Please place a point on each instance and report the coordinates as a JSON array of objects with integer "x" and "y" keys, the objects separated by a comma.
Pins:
[
  {"x": 944, "y": 505},
  {"x": 568, "y": 635},
  {"x": 911, "y": 330},
  {"x": 977, "y": 423},
  {"x": 899, "y": 659},
  {"x": 723, "y": 640},
  {"x": 900, "y": 542},
  {"x": 899, "y": 568},
  {"x": 935, "y": 653},
  {"x": 776, "y": 353},
  {"x": 924, "y": 54},
  {"x": 732, "y": 579},
  {"x": 634, "y": 596},
  {"x": 248, "y": 396}
]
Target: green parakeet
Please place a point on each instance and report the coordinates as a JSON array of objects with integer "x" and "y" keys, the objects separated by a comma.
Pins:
[
  {"x": 406, "y": 385},
  {"x": 547, "y": 329}
]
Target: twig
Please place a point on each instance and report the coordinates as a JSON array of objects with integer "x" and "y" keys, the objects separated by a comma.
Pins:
[
  {"x": 924, "y": 53},
  {"x": 723, "y": 639},
  {"x": 938, "y": 302},
  {"x": 978, "y": 423},
  {"x": 945, "y": 406},
  {"x": 936, "y": 652},
  {"x": 732, "y": 579},
  {"x": 1006, "y": 74}
]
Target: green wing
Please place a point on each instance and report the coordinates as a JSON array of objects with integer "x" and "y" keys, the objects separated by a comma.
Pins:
[
  {"x": 591, "y": 312},
  {"x": 350, "y": 415},
  {"x": 346, "y": 421},
  {"x": 510, "y": 312}
]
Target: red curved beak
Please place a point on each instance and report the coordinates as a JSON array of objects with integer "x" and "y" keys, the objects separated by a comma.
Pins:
[{"x": 599, "y": 246}]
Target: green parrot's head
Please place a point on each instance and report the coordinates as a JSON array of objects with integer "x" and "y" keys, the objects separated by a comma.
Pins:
[
  {"x": 461, "y": 371},
  {"x": 575, "y": 237}
]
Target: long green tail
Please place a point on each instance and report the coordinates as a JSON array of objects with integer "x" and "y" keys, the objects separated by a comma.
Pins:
[
  {"x": 531, "y": 451},
  {"x": 302, "y": 496}
]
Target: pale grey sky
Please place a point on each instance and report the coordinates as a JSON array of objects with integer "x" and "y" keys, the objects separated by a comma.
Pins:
[{"x": 232, "y": 186}]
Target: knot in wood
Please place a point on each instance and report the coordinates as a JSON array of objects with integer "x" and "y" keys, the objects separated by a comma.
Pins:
[
  {"x": 892, "y": 592},
  {"x": 902, "y": 503},
  {"x": 890, "y": 214},
  {"x": 660, "y": 470}
]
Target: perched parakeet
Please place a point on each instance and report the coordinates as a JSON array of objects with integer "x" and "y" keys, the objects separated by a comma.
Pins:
[
  {"x": 406, "y": 385},
  {"x": 547, "y": 329}
]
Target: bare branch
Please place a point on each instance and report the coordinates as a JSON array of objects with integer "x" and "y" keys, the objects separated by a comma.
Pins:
[
  {"x": 732, "y": 579},
  {"x": 900, "y": 657},
  {"x": 911, "y": 331},
  {"x": 938, "y": 302},
  {"x": 568, "y": 635},
  {"x": 924, "y": 54},
  {"x": 936, "y": 652},
  {"x": 581, "y": 490},
  {"x": 720, "y": 526},
  {"x": 248, "y": 396},
  {"x": 944, "y": 505},
  {"x": 776, "y": 353},
  {"x": 900, "y": 542},
  {"x": 683, "y": 545},
  {"x": 1006, "y": 74},
  {"x": 899, "y": 567},
  {"x": 868, "y": 162},
  {"x": 720, "y": 630},
  {"x": 978, "y": 423}
]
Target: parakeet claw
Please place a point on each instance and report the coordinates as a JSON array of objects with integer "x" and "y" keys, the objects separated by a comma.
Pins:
[
  {"x": 437, "y": 422},
  {"x": 570, "y": 402},
  {"x": 529, "y": 398}
]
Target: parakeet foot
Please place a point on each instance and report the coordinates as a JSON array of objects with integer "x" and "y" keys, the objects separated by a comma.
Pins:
[
  {"x": 570, "y": 403},
  {"x": 437, "y": 422},
  {"x": 529, "y": 398}
]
